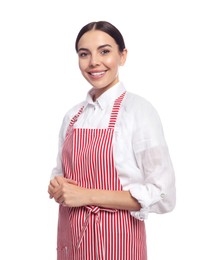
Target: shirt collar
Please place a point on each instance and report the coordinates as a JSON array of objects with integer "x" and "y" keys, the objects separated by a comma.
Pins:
[{"x": 108, "y": 97}]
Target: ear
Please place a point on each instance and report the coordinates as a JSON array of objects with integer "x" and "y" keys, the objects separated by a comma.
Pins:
[{"x": 123, "y": 57}]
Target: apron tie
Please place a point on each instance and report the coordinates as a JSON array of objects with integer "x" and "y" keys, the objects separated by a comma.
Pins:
[{"x": 93, "y": 210}]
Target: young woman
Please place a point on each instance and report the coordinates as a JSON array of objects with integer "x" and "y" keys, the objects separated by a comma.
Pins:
[{"x": 113, "y": 165}]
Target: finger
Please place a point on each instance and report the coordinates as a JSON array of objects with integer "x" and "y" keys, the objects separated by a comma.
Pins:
[
  {"x": 72, "y": 181},
  {"x": 58, "y": 195},
  {"x": 51, "y": 191},
  {"x": 59, "y": 180},
  {"x": 50, "y": 195},
  {"x": 54, "y": 183},
  {"x": 60, "y": 199}
]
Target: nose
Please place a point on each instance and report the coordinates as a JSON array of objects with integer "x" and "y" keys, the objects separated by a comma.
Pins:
[{"x": 94, "y": 61}]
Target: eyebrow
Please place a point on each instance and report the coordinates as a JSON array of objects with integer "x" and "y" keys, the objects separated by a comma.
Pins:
[{"x": 100, "y": 47}]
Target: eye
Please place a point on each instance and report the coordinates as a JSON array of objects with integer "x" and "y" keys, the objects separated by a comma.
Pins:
[
  {"x": 104, "y": 52},
  {"x": 83, "y": 54}
]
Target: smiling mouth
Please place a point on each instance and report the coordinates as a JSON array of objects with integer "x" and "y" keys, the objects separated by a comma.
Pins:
[{"x": 97, "y": 74}]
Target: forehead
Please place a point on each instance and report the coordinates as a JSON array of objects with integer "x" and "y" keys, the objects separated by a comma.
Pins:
[{"x": 94, "y": 39}]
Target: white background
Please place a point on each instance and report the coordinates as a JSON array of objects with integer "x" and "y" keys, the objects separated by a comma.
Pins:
[{"x": 40, "y": 81}]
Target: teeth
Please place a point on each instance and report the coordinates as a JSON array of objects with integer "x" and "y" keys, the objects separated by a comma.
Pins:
[{"x": 97, "y": 73}]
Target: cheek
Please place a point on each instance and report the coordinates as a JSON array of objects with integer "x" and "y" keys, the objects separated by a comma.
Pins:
[
  {"x": 82, "y": 65},
  {"x": 112, "y": 62}
]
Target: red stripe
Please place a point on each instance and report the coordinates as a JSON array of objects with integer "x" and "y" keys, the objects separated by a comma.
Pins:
[{"x": 93, "y": 232}]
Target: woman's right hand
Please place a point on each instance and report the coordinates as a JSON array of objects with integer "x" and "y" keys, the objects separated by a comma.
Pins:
[{"x": 56, "y": 182}]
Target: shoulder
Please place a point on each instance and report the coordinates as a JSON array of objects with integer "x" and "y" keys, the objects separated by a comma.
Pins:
[
  {"x": 67, "y": 118},
  {"x": 142, "y": 115},
  {"x": 138, "y": 106},
  {"x": 73, "y": 111},
  {"x": 145, "y": 121}
]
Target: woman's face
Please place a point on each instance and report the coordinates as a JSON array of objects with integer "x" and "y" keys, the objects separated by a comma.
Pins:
[{"x": 99, "y": 60}]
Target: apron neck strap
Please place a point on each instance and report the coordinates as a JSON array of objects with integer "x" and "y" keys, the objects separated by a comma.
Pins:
[{"x": 115, "y": 110}]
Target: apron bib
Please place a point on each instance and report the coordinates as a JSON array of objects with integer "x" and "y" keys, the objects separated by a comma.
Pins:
[{"x": 96, "y": 233}]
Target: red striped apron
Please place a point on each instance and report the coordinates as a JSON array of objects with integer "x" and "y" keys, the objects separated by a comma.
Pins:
[{"x": 96, "y": 233}]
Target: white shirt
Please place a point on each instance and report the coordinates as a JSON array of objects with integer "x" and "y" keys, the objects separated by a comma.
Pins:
[{"x": 140, "y": 151}]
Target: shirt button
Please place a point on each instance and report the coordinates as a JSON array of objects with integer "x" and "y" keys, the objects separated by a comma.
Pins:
[{"x": 162, "y": 195}]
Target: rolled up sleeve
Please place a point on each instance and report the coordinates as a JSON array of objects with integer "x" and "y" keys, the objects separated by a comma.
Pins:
[{"x": 156, "y": 192}]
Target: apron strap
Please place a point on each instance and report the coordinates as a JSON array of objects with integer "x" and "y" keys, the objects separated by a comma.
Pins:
[
  {"x": 93, "y": 210},
  {"x": 115, "y": 110},
  {"x": 75, "y": 118}
]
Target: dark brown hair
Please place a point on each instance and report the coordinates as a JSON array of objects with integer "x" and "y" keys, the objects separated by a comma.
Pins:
[{"x": 105, "y": 27}]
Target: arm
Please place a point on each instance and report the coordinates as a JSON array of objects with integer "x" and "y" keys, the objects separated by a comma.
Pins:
[
  {"x": 113, "y": 199},
  {"x": 157, "y": 191},
  {"x": 68, "y": 194}
]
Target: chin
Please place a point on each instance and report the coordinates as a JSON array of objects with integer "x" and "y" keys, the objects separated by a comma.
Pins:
[{"x": 98, "y": 85}]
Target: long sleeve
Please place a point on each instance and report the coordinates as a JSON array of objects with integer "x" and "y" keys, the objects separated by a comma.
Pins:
[
  {"x": 156, "y": 193},
  {"x": 57, "y": 171},
  {"x": 140, "y": 151}
]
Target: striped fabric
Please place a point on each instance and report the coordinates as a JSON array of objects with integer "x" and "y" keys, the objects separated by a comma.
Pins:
[{"x": 95, "y": 233}]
